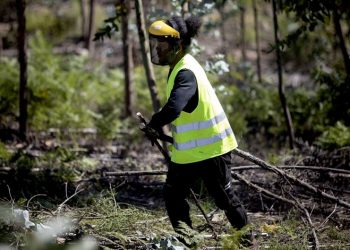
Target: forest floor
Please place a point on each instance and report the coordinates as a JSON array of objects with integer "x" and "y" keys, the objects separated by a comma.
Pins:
[{"x": 54, "y": 178}]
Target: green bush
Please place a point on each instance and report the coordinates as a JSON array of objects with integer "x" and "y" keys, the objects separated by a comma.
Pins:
[
  {"x": 5, "y": 155},
  {"x": 63, "y": 91},
  {"x": 334, "y": 94},
  {"x": 335, "y": 136},
  {"x": 55, "y": 23},
  {"x": 8, "y": 90}
]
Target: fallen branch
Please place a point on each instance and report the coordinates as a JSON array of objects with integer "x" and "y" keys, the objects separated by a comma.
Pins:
[
  {"x": 136, "y": 173},
  {"x": 296, "y": 204},
  {"x": 313, "y": 168},
  {"x": 249, "y": 167},
  {"x": 239, "y": 168},
  {"x": 292, "y": 178},
  {"x": 260, "y": 189}
]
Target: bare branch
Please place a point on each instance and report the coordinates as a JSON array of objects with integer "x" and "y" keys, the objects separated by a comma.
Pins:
[
  {"x": 290, "y": 177},
  {"x": 37, "y": 195}
]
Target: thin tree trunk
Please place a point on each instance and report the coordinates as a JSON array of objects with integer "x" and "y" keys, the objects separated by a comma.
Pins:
[
  {"x": 185, "y": 8},
  {"x": 146, "y": 57},
  {"x": 0, "y": 45},
  {"x": 257, "y": 40},
  {"x": 242, "y": 22},
  {"x": 222, "y": 27},
  {"x": 342, "y": 45},
  {"x": 280, "y": 80},
  {"x": 88, "y": 41},
  {"x": 22, "y": 60},
  {"x": 128, "y": 60},
  {"x": 83, "y": 19}
]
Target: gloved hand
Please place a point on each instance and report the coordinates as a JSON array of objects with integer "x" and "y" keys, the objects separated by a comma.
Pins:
[{"x": 150, "y": 133}]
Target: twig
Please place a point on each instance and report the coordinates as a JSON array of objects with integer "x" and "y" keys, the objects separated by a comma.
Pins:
[
  {"x": 58, "y": 210},
  {"x": 313, "y": 168},
  {"x": 112, "y": 193},
  {"x": 136, "y": 173},
  {"x": 11, "y": 199},
  {"x": 329, "y": 216},
  {"x": 31, "y": 198},
  {"x": 316, "y": 245},
  {"x": 292, "y": 178},
  {"x": 66, "y": 189},
  {"x": 296, "y": 204},
  {"x": 204, "y": 214},
  {"x": 260, "y": 189}
]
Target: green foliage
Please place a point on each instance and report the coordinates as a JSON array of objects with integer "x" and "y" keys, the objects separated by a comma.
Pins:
[
  {"x": 5, "y": 155},
  {"x": 255, "y": 109},
  {"x": 333, "y": 233},
  {"x": 23, "y": 161},
  {"x": 111, "y": 23},
  {"x": 54, "y": 24},
  {"x": 121, "y": 221},
  {"x": 8, "y": 90},
  {"x": 335, "y": 136},
  {"x": 334, "y": 93},
  {"x": 64, "y": 92},
  {"x": 235, "y": 239}
]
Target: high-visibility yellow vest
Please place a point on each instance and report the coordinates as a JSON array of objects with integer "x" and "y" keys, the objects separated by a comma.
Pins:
[{"x": 206, "y": 132}]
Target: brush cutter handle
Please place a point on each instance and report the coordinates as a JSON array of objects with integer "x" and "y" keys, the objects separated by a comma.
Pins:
[
  {"x": 160, "y": 136},
  {"x": 152, "y": 138}
]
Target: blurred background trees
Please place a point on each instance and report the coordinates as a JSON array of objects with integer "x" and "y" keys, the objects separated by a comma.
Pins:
[{"x": 73, "y": 82}]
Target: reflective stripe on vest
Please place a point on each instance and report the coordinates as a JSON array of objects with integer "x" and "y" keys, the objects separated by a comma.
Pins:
[
  {"x": 203, "y": 141},
  {"x": 199, "y": 125}
]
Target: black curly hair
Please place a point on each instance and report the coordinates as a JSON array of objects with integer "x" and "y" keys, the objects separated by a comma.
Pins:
[{"x": 188, "y": 28}]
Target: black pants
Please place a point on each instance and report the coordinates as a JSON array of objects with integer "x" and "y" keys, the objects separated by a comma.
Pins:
[{"x": 215, "y": 173}]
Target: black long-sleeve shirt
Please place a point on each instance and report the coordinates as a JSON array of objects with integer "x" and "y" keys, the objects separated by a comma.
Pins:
[{"x": 183, "y": 97}]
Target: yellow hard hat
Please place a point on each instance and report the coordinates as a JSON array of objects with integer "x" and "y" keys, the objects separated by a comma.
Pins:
[{"x": 160, "y": 28}]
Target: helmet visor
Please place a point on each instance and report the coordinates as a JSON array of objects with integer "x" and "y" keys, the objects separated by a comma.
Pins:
[{"x": 160, "y": 48}]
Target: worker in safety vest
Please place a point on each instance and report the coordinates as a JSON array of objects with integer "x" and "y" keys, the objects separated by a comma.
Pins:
[{"x": 203, "y": 138}]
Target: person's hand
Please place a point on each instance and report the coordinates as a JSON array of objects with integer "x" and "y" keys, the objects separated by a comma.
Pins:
[{"x": 150, "y": 133}]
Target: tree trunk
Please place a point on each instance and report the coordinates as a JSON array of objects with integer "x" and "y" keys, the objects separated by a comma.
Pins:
[
  {"x": 146, "y": 57},
  {"x": 342, "y": 45},
  {"x": 242, "y": 43},
  {"x": 88, "y": 40},
  {"x": 280, "y": 80},
  {"x": 83, "y": 19},
  {"x": 242, "y": 22},
  {"x": 128, "y": 59},
  {"x": 0, "y": 45},
  {"x": 185, "y": 8},
  {"x": 243, "y": 48},
  {"x": 222, "y": 28},
  {"x": 257, "y": 41},
  {"x": 22, "y": 60}
]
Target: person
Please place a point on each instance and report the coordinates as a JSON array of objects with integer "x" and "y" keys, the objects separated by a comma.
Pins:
[{"x": 202, "y": 136}]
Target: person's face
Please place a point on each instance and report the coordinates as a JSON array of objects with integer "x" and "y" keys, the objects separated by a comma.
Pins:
[{"x": 162, "y": 51}]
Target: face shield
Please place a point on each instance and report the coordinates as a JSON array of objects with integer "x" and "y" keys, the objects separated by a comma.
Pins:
[
  {"x": 164, "y": 42},
  {"x": 160, "y": 51}
]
